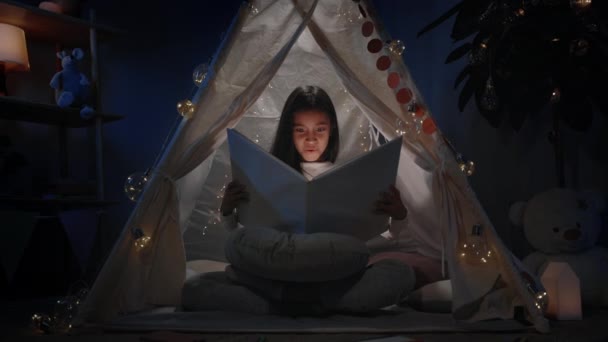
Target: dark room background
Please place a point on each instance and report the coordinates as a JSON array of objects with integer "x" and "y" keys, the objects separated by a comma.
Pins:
[{"x": 148, "y": 69}]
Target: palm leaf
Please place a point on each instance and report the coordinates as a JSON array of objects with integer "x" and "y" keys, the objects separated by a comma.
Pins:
[
  {"x": 458, "y": 52},
  {"x": 494, "y": 117},
  {"x": 467, "y": 91},
  {"x": 467, "y": 22},
  {"x": 440, "y": 20},
  {"x": 466, "y": 71}
]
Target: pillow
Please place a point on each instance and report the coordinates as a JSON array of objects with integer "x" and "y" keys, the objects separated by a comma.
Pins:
[
  {"x": 213, "y": 291},
  {"x": 196, "y": 267},
  {"x": 277, "y": 255},
  {"x": 428, "y": 270},
  {"x": 433, "y": 297},
  {"x": 378, "y": 286}
]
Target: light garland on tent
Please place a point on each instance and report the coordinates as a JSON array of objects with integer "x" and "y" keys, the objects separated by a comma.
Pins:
[
  {"x": 215, "y": 215},
  {"x": 475, "y": 250},
  {"x": 365, "y": 143},
  {"x": 401, "y": 127},
  {"x": 350, "y": 15},
  {"x": 396, "y": 46},
  {"x": 185, "y": 108},
  {"x": 541, "y": 299},
  {"x": 199, "y": 75},
  {"x": 136, "y": 182},
  {"x": 417, "y": 114},
  {"x": 60, "y": 321},
  {"x": 253, "y": 10},
  {"x": 465, "y": 165},
  {"x": 141, "y": 239}
]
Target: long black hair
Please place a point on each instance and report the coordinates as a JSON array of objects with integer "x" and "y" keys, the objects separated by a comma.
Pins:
[{"x": 304, "y": 99}]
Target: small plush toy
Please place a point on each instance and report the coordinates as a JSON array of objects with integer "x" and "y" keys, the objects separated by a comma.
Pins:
[
  {"x": 564, "y": 225},
  {"x": 73, "y": 85}
]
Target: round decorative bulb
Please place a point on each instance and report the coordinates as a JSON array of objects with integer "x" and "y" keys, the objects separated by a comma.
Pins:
[
  {"x": 475, "y": 251},
  {"x": 135, "y": 184},
  {"x": 200, "y": 74},
  {"x": 401, "y": 126},
  {"x": 469, "y": 168},
  {"x": 396, "y": 47},
  {"x": 185, "y": 108},
  {"x": 142, "y": 242},
  {"x": 579, "y": 5},
  {"x": 555, "y": 95},
  {"x": 253, "y": 10}
]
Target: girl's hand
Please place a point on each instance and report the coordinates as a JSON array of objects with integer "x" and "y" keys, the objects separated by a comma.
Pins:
[
  {"x": 390, "y": 204},
  {"x": 235, "y": 193}
]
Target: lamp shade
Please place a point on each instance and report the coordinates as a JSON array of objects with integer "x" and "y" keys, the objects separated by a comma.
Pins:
[{"x": 13, "y": 51}]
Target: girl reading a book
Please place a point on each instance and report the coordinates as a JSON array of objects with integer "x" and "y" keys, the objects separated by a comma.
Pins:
[{"x": 308, "y": 140}]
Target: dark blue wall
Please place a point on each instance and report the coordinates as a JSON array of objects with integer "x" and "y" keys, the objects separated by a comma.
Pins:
[{"x": 145, "y": 72}]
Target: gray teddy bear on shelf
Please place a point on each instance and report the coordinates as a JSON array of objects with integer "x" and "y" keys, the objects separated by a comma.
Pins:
[{"x": 72, "y": 85}]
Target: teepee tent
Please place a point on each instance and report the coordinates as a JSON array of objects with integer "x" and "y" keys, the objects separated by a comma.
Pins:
[{"x": 272, "y": 47}]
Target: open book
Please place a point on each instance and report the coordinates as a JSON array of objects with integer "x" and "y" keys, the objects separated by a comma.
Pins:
[{"x": 340, "y": 200}]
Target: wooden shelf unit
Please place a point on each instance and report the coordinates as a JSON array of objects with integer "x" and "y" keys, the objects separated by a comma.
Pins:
[
  {"x": 53, "y": 204},
  {"x": 12, "y": 108},
  {"x": 67, "y": 31},
  {"x": 42, "y": 25}
]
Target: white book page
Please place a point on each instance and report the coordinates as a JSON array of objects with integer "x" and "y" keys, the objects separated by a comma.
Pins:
[
  {"x": 277, "y": 192},
  {"x": 341, "y": 200}
]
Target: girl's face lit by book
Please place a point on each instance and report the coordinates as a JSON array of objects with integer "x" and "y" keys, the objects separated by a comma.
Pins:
[{"x": 311, "y": 134}]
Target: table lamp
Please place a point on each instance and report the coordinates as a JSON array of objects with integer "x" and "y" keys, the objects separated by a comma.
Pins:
[{"x": 13, "y": 53}]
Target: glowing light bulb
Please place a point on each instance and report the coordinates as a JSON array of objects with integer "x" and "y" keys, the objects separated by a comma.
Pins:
[
  {"x": 542, "y": 300},
  {"x": 401, "y": 127},
  {"x": 396, "y": 47},
  {"x": 135, "y": 183},
  {"x": 42, "y": 322},
  {"x": 475, "y": 251},
  {"x": 466, "y": 166},
  {"x": 185, "y": 108},
  {"x": 579, "y": 5},
  {"x": 556, "y": 94},
  {"x": 200, "y": 74},
  {"x": 469, "y": 168},
  {"x": 141, "y": 240},
  {"x": 253, "y": 10}
]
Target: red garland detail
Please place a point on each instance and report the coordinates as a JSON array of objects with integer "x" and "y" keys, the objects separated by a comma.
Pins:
[
  {"x": 404, "y": 95},
  {"x": 393, "y": 80},
  {"x": 428, "y": 126},
  {"x": 383, "y": 63},
  {"x": 374, "y": 45},
  {"x": 367, "y": 28}
]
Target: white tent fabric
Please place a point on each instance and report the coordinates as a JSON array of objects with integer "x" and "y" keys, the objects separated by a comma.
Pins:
[{"x": 273, "y": 47}]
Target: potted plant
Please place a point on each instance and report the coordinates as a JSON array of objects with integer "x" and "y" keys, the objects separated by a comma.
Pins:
[{"x": 528, "y": 54}]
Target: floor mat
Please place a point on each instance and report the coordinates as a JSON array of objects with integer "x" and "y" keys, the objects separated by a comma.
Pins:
[{"x": 384, "y": 321}]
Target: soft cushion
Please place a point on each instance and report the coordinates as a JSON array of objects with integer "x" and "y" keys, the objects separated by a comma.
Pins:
[
  {"x": 213, "y": 291},
  {"x": 277, "y": 255},
  {"x": 196, "y": 267},
  {"x": 379, "y": 285},
  {"x": 433, "y": 297},
  {"x": 428, "y": 270}
]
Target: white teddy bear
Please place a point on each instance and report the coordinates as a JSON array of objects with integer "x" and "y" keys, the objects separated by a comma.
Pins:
[{"x": 564, "y": 225}]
